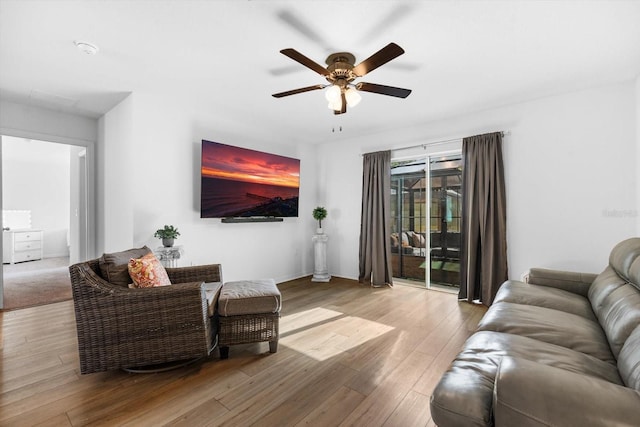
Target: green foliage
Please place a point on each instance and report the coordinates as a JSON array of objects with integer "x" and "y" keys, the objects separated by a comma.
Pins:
[
  {"x": 319, "y": 214},
  {"x": 168, "y": 232}
]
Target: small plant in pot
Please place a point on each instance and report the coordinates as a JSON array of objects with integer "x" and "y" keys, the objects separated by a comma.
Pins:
[
  {"x": 167, "y": 234},
  {"x": 319, "y": 214}
]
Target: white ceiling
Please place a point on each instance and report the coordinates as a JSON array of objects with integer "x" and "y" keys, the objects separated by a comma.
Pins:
[{"x": 222, "y": 57}]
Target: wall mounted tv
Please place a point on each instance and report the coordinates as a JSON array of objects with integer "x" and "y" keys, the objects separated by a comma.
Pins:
[{"x": 238, "y": 182}]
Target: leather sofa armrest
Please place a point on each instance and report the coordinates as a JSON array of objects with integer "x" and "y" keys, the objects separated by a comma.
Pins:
[
  {"x": 527, "y": 393},
  {"x": 577, "y": 283}
]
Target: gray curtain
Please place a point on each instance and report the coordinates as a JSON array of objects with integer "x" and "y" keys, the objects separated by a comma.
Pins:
[
  {"x": 375, "y": 225},
  {"x": 483, "y": 265}
]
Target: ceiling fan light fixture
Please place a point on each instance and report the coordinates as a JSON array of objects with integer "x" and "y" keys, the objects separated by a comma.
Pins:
[
  {"x": 340, "y": 73},
  {"x": 335, "y": 104},
  {"x": 333, "y": 93},
  {"x": 353, "y": 97}
]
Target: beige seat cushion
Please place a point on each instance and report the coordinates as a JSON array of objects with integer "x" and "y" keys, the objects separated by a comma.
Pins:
[
  {"x": 249, "y": 297},
  {"x": 212, "y": 290}
]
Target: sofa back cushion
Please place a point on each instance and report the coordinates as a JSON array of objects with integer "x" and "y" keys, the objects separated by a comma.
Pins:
[
  {"x": 623, "y": 255},
  {"x": 633, "y": 276},
  {"x": 614, "y": 299},
  {"x": 629, "y": 360},
  {"x": 114, "y": 267},
  {"x": 602, "y": 287}
]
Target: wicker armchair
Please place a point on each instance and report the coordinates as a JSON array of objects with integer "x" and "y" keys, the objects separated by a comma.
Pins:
[{"x": 128, "y": 328}]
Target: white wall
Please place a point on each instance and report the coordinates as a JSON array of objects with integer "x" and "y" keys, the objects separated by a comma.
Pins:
[
  {"x": 150, "y": 176},
  {"x": 117, "y": 181},
  {"x": 570, "y": 171},
  {"x": 78, "y": 242},
  {"x": 638, "y": 156},
  {"x": 46, "y": 125},
  {"x": 36, "y": 177}
]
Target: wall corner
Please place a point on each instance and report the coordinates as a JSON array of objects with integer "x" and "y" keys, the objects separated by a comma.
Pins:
[{"x": 637, "y": 120}]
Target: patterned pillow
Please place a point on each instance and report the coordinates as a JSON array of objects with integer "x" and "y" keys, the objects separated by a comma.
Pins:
[{"x": 147, "y": 272}]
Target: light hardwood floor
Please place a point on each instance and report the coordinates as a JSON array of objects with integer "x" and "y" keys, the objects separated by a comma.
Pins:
[{"x": 348, "y": 355}]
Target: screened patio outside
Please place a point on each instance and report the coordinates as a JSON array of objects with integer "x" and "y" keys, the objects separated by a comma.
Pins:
[{"x": 426, "y": 220}]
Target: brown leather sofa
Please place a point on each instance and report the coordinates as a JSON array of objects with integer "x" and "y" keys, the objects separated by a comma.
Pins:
[{"x": 562, "y": 349}]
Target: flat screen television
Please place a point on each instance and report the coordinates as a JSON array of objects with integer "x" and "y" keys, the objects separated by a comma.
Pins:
[{"x": 238, "y": 182}]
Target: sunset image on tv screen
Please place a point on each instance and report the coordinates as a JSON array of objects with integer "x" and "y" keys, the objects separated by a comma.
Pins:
[{"x": 238, "y": 182}]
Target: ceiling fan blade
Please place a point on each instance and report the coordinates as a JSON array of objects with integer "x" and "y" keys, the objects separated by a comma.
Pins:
[
  {"x": 384, "y": 90},
  {"x": 379, "y": 58},
  {"x": 296, "y": 91},
  {"x": 298, "y": 57},
  {"x": 289, "y": 69},
  {"x": 304, "y": 28},
  {"x": 397, "y": 13}
]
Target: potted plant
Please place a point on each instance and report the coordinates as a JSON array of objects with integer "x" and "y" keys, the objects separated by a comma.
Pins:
[
  {"x": 167, "y": 234},
  {"x": 319, "y": 214}
]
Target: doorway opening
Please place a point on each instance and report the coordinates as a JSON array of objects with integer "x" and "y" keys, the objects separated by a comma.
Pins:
[
  {"x": 45, "y": 211},
  {"x": 426, "y": 211}
]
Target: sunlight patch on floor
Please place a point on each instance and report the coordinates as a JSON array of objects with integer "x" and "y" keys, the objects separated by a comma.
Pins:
[
  {"x": 322, "y": 333},
  {"x": 306, "y": 318}
]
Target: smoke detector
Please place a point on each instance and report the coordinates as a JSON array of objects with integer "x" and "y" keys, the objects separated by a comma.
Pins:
[{"x": 86, "y": 47}]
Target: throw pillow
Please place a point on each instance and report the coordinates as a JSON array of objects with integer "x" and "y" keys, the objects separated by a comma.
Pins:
[
  {"x": 114, "y": 267},
  {"x": 148, "y": 272}
]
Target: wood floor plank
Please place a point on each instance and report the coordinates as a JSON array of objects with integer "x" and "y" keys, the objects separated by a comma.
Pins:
[
  {"x": 348, "y": 354},
  {"x": 320, "y": 386},
  {"x": 57, "y": 421},
  {"x": 44, "y": 405},
  {"x": 266, "y": 382},
  {"x": 380, "y": 404},
  {"x": 168, "y": 403},
  {"x": 413, "y": 411},
  {"x": 442, "y": 361},
  {"x": 252, "y": 403},
  {"x": 334, "y": 410},
  {"x": 378, "y": 360},
  {"x": 201, "y": 415},
  {"x": 133, "y": 401},
  {"x": 14, "y": 367},
  {"x": 27, "y": 386}
]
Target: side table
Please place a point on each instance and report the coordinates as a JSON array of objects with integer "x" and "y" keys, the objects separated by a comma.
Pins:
[{"x": 169, "y": 256}]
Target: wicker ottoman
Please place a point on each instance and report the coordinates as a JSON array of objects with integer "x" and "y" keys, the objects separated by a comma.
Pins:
[{"x": 249, "y": 311}]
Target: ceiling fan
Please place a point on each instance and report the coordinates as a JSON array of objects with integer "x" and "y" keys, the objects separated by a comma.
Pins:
[{"x": 341, "y": 73}]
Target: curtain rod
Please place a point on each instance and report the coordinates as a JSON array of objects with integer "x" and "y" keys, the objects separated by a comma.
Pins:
[{"x": 441, "y": 142}]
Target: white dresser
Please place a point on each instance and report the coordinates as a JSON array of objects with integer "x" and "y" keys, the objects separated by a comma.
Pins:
[{"x": 21, "y": 245}]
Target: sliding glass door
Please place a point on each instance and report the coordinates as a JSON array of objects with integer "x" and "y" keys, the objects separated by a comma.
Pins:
[
  {"x": 426, "y": 199},
  {"x": 410, "y": 225},
  {"x": 445, "y": 220}
]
